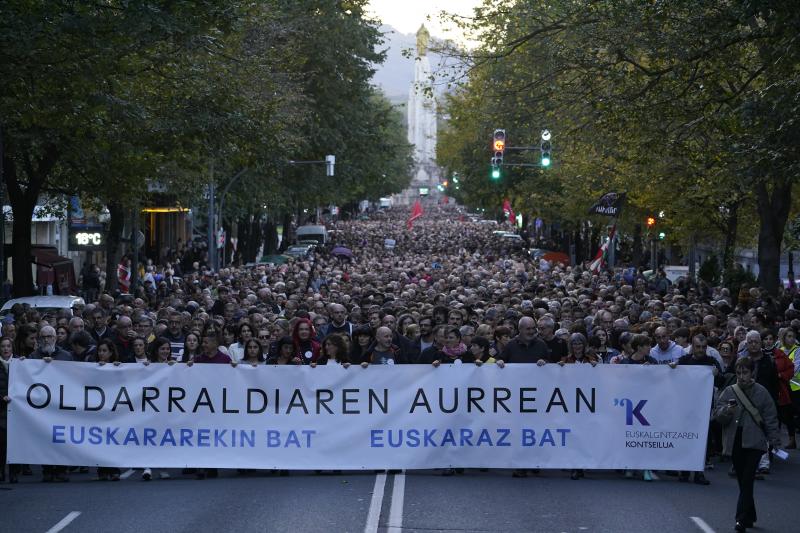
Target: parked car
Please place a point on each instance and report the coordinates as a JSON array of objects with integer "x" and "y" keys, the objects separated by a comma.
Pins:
[
  {"x": 44, "y": 304},
  {"x": 300, "y": 251}
]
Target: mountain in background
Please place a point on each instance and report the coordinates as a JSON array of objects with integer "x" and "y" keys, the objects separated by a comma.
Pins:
[{"x": 396, "y": 74}]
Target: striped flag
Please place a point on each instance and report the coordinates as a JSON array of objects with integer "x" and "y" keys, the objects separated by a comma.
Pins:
[{"x": 600, "y": 259}]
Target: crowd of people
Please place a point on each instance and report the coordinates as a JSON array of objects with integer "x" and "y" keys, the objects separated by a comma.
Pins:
[{"x": 449, "y": 291}]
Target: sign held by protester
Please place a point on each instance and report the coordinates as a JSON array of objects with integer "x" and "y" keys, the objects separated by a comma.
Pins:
[
  {"x": 609, "y": 204},
  {"x": 331, "y": 417}
]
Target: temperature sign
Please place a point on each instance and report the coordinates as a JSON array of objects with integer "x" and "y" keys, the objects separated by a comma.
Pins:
[{"x": 87, "y": 238}]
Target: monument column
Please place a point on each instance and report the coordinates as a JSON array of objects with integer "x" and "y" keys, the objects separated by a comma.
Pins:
[{"x": 422, "y": 125}]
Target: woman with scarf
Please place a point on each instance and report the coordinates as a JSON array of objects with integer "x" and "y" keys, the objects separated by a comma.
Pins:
[
  {"x": 453, "y": 351},
  {"x": 749, "y": 419}
]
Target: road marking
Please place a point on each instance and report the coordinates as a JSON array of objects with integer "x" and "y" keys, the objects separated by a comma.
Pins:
[
  {"x": 396, "y": 507},
  {"x": 64, "y": 522},
  {"x": 126, "y": 474},
  {"x": 699, "y": 522},
  {"x": 374, "y": 515}
]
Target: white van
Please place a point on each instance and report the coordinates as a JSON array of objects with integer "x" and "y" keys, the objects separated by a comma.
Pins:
[
  {"x": 314, "y": 233},
  {"x": 44, "y": 304}
]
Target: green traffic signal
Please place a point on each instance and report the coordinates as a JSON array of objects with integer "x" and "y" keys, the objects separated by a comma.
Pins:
[
  {"x": 495, "y": 173},
  {"x": 545, "y": 161},
  {"x": 662, "y": 236}
]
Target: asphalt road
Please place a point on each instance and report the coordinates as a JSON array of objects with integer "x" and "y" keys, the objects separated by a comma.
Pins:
[{"x": 421, "y": 501}]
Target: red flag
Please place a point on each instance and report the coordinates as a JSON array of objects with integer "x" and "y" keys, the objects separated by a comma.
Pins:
[
  {"x": 509, "y": 212},
  {"x": 600, "y": 259},
  {"x": 416, "y": 212}
]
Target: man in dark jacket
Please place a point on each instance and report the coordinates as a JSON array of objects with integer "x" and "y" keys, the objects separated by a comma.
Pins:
[
  {"x": 766, "y": 375},
  {"x": 699, "y": 356},
  {"x": 47, "y": 347},
  {"x": 765, "y": 372},
  {"x": 124, "y": 340},
  {"x": 49, "y": 350},
  {"x": 526, "y": 347}
]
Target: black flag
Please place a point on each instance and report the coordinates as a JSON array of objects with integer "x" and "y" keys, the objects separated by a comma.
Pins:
[{"x": 609, "y": 204}]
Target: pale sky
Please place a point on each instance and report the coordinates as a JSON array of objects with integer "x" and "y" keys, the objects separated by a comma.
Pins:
[{"x": 408, "y": 15}]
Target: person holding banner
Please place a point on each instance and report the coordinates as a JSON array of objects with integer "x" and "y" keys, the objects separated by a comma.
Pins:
[
  {"x": 211, "y": 355},
  {"x": 578, "y": 354},
  {"x": 285, "y": 353},
  {"x": 749, "y": 419},
  {"x": 305, "y": 347},
  {"x": 5, "y": 359},
  {"x": 191, "y": 347},
  {"x": 334, "y": 350}
]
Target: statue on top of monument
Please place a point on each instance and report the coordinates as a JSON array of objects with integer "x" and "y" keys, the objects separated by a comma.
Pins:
[{"x": 423, "y": 37}]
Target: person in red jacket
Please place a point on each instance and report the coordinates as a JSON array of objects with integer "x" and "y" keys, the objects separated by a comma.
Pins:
[
  {"x": 305, "y": 347},
  {"x": 785, "y": 368}
]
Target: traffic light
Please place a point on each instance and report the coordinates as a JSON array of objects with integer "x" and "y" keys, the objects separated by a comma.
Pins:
[
  {"x": 546, "y": 148},
  {"x": 662, "y": 236},
  {"x": 498, "y": 150},
  {"x": 498, "y": 146},
  {"x": 651, "y": 222}
]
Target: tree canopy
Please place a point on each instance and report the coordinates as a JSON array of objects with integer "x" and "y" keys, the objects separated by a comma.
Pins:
[{"x": 690, "y": 107}]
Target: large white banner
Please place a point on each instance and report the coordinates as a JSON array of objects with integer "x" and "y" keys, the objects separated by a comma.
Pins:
[{"x": 404, "y": 416}]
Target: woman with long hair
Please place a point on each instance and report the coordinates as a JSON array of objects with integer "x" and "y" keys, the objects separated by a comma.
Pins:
[
  {"x": 305, "y": 345},
  {"x": 25, "y": 342},
  {"x": 334, "y": 350},
  {"x": 363, "y": 337},
  {"x": 252, "y": 352},
  {"x": 191, "y": 347},
  {"x": 140, "y": 354},
  {"x": 107, "y": 353},
  {"x": 605, "y": 352},
  {"x": 159, "y": 351},
  {"x": 243, "y": 334}
]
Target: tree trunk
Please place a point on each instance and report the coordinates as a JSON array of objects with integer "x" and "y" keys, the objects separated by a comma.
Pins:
[
  {"x": 636, "y": 259},
  {"x": 773, "y": 212},
  {"x": 116, "y": 224},
  {"x": 22, "y": 202},
  {"x": 731, "y": 234},
  {"x": 287, "y": 232},
  {"x": 21, "y": 242},
  {"x": 270, "y": 237}
]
